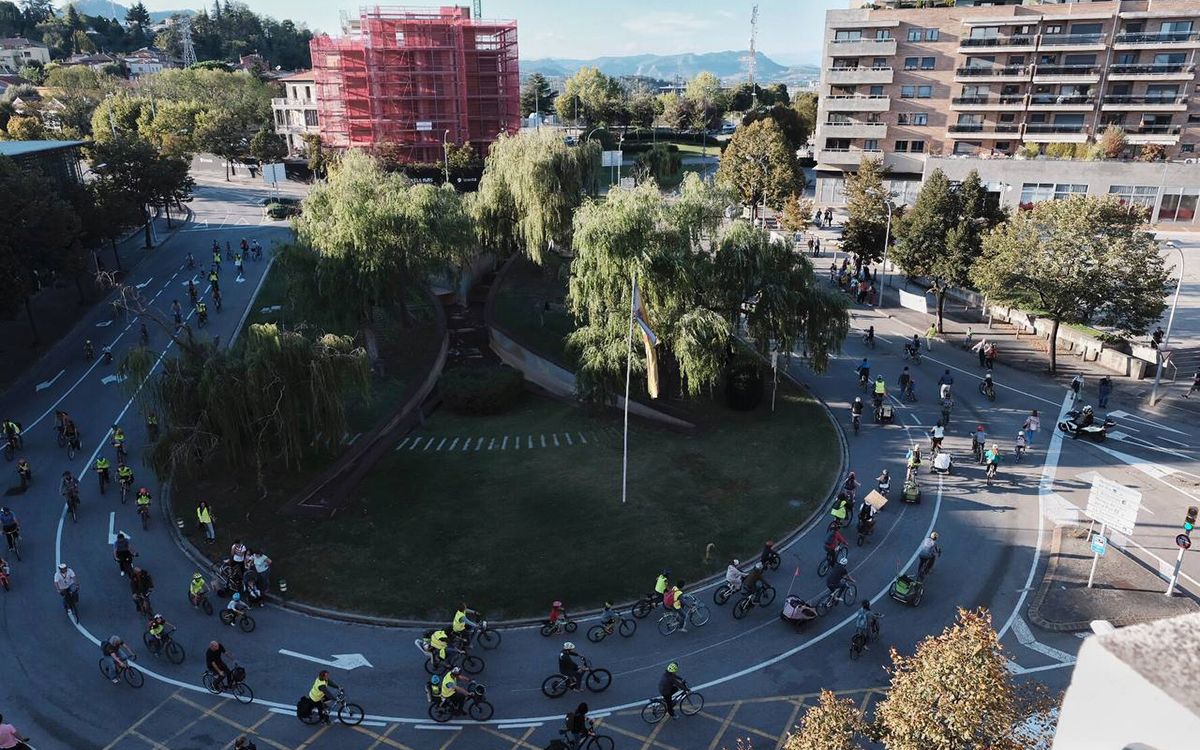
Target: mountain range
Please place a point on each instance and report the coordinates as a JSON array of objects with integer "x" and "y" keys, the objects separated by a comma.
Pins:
[
  {"x": 728, "y": 65},
  {"x": 106, "y": 9}
]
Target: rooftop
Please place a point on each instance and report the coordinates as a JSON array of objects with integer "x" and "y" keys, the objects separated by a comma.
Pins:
[
  {"x": 1165, "y": 652},
  {"x": 17, "y": 42},
  {"x": 299, "y": 75},
  {"x": 21, "y": 148}
]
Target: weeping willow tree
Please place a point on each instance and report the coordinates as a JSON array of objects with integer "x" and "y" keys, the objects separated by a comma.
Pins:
[
  {"x": 261, "y": 402},
  {"x": 532, "y": 184},
  {"x": 378, "y": 239},
  {"x": 700, "y": 294}
]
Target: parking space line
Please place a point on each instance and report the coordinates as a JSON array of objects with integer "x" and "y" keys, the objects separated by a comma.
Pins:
[
  {"x": 516, "y": 742},
  {"x": 716, "y": 740},
  {"x": 244, "y": 730},
  {"x": 787, "y": 727},
  {"x": 131, "y": 729},
  {"x": 316, "y": 736},
  {"x": 729, "y": 722},
  {"x": 383, "y": 739},
  {"x": 152, "y": 743},
  {"x": 647, "y": 741}
]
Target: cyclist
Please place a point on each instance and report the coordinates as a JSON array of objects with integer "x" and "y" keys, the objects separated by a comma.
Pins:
[
  {"x": 320, "y": 693},
  {"x": 936, "y": 435},
  {"x": 557, "y": 612},
  {"x": 12, "y": 432},
  {"x": 883, "y": 482},
  {"x": 24, "y": 472},
  {"x": 60, "y": 420},
  {"x": 156, "y": 627},
  {"x": 439, "y": 641},
  {"x": 124, "y": 475},
  {"x": 834, "y": 540},
  {"x": 237, "y": 607},
  {"x": 841, "y": 509},
  {"x": 216, "y": 665},
  {"x": 862, "y": 622},
  {"x": 118, "y": 439},
  {"x": 866, "y": 518},
  {"x": 947, "y": 407},
  {"x": 123, "y": 553},
  {"x": 880, "y": 391},
  {"x": 214, "y": 279},
  {"x": 202, "y": 311},
  {"x": 904, "y": 381},
  {"x": 12, "y": 529},
  {"x": 850, "y": 486},
  {"x": 856, "y": 409},
  {"x": 11, "y": 738},
  {"x": 140, "y": 585},
  {"x": 577, "y": 725},
  {"x": 673, "y": 600},
  {"x": 992, "y": 460},
  {"x": 912, "y": 348},
  {"x": 570, "y": 662},
  {"x": 71, "y": 433},
  {"x": 244, "y": 246},
  {"x": 102, "y": 467},
  {"x": 216, "y": 297},
  {"x": 944, "y": 383},
  {"x": 177, "y": 313},
  {"x": 988, "y": 386},
  {"x": 461, "y": 625},
  {"x": 662, "y": 583},
  {"x": 114, "y": 648},
  {"x": 869, "y": 338},
  {"x": 754, "y": 580},
  {"x": 450, "y": 691},
  {"x": 216, "y": 252},
  {"x": 66, "y": 583},
  {"x": 913, "y": 460},
  {"x": 838, "y": 577},
  {"x": 926, "y": 554},
  {"x": 196, "y": 588},
  {"x": 1021, "y": 443},
  {"x": 978, "y": 440},
  {"x": 143, "y": 499},
  {"x": 192, "y": 293},
  {"x": 669, "y": 684},
  {"x": 864, "y": 372},
  {"x": 608, "y": 617},
  {"x": 734, "y": 576},
  {"x": 69, "y": 488}
]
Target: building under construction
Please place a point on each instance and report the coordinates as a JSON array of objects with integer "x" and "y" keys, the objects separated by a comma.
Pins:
[{"x": 415, "y": 78}]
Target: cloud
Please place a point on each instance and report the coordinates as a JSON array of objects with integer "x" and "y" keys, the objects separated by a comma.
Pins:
[{"x": 666, "y": 24}]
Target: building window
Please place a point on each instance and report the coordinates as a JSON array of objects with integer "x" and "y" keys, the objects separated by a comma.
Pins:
[
  {"x": 399, "y": 38},
  {"x": 310, "y": 118},
  {"x": 847, "y": 35},
  {"x": 924, "y": 92},
  {"x": 910, "y": 63},
  {"x": 883, "y": 34},
  {"x": 908, "y": 92},
  {"x": 1136, "y": 195},
  {"x": 876, "y": 91},
  {"x": 901, "y": 146},
  {"x": 307, "y": 93},
  {"x": 916, "y": 147},
  {"x": 912, "y": 118},
  {"x": 914, "y": 35},
  {"x": 1188, "y": 148},
  {"x": 932, "y": 35},
  {"x": 967, "y": 148},
  {"x": 1179, "y": 205},
  {"x": 1062, "y": 192},
  {"x": 279, "y": 117},
  {"x": 881, "y": 63},
  {"x": 1037, "y": 192},
  {"x": 927, "y": 63},
  {"x": 870, "y": 144}
]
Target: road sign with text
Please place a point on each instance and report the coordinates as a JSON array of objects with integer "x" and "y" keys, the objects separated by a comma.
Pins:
[{"x": 1113, "y": 504}]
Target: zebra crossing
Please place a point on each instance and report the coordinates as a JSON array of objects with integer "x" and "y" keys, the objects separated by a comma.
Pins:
[{"x": 522, "y": 442}]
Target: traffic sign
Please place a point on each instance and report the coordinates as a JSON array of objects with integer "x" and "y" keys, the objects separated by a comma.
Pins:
[
  {"x": 1113, "y": 504},
  {"x": 1183, "y": 541},
  {"x": 1099, "y": 544}
]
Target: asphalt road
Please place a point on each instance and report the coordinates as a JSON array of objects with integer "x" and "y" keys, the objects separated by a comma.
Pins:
[{"x": 756, "y": 673}]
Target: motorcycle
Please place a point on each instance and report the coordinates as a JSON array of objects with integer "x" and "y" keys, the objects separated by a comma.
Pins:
[{"x": 1097, "y": 431}]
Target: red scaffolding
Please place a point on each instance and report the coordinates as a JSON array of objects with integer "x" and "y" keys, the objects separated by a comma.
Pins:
[{"x": 405, "y": 76}]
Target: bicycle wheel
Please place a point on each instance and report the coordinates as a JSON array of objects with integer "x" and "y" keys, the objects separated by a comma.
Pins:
[
  {"x": 174, "y": 652},
  {"x": 107, "y": 668},
  {"x": 145, "y": 519},
  {"x": 823, "y": 568},
  {"x": 642, "y": 608},
  {"x": 554, "y": 686},
  {"x": 134, "y": 677},
  {"x": 598, "y": 680},
  {"x": 850, "y": 595},
  {"x": 312, "y": 717},
  {"x": 152, "y": 644},
  {"x": 691, "y": 704},
  {"x": 571, "y": 626},
  {"x": 773, "y": 561},
  {"x": 472, "y": 664},
  {"x": 599, "y": 742},
  {"x": 351, "y": 714},
  {"x": 429, "y": 667},
  {"x": 206, "y": 605},
  {"x": 596, "y": 633},
  {"x": 71, "y": 451},
  {"x": 668, "y": 623},
  {"x": 627, "y": 627},
  {"x": 489, "y": 638},
  {"x": 874, "y": 630},
  {"x": 856, "y": 645},
  {"x": 242, "y": 692},
  {"x": 699, "y": 616},
  {"x": 440, "y": 712},
  {"x": 210, "y": 683},
  {"x": 823, "y": 604},
  {"x": 721, "y": 595},
  {"x": 742, "y": 608},
  {"x": 547, "y": 630},
  {"x": 654, "y": 711},
  {"x": 766, "y": 596},
  {"x": 480, "y": 710},
  {"x": 246, "y": 623}
]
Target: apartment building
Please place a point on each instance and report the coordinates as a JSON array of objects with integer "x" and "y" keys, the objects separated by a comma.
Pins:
[
  {"x": 16, "y": 52},
  {"x": 902, "y": 80},
  {"x": 296, "y": 113}
]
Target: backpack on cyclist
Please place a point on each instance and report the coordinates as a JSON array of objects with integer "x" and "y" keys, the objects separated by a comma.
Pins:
[{"x": 304, "y": 707}]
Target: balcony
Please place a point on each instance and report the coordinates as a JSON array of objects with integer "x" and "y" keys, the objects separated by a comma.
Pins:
[
  {"x": 863, "y": 47},
  {"x": 294, "y": 103},
  {"x": 1152, "y": 72},
  {"x": 1064, "y": 103},
  {"x": 1006, "y": 43},
  {"x": 1073, "y": 41},
  {"x": 1042, "y": 132},
  {"x": 988, "y": 103},
  {"x": 854, "y": 130},
  {"x": 846, "y": 156},
  {"x": 855, "y": 76},
  {"x": 1162, "y": 134},
  {"x": 296, "y": 129},
  {"x": 857, "y": 103},
  {"x": 1124, "y": 103},
  {"x": 973, "y": 73},
  {"x": 1066, "y": 74},
  {"x": 985, "y": 130},
  {"x": 1164, "y": 39}
]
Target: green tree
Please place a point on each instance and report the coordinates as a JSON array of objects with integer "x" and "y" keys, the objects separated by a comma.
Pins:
[
  {"x": 1080, "y": 260},
  {"x": 708, "y": 101},
  {"x": 461, "y": 157},
  {"x": 1113, "y": 142},
  {"x": 662, "y": 163},
  {"x": 832, "y": 724},
  {"x": 761, "y": 166},
  {"x": 924, "y": 242},
  {"x": 106, "y": 212},
  {"x": 222, "y": 133},
  {"x": 797, "y": 213},
  {"x": 806, "y": 106},
  {"x": 676, "y": 111},
  {"x": 319, "y": 159},
  {"x": 26, "y": 128},
  {"x": 532, "y": 184},
  {"x": 643, "y": 109},
  {"x": 171, "y": 127},
  {"x": 378, "y": 237},
  {"x": 590, "y": 98},
  {"x": 33, "y": 71},
  {"x": 137, "y": 17},
  {"x": 536, "y": 95},
  {"x": 788, "y": 119},
  {"x": 134, "y": 166},
  {"x": 866, "y": 202},
  {"x": 267, "y": 146}
]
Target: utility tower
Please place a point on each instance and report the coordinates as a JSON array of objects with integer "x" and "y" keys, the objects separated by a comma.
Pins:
[
  {"x": 185, "y": 41},
  {"x": 752, "y": 63},
  {"x": 477, "y": 10}
]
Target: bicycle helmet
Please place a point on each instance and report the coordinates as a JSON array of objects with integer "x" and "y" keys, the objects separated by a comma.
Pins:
[
  {"x": 758, "y": 566},
  {"x": 995, "y": 447},
  {"x": 934, "y": 536},
  {"x": 568, "y": 646},
  {"x": 1087, "y": 410},
  {"x": 62, "y": 566},
  {"x": 456, "y": 670},
  {"x": 557, "y": 603},
  {"x": 1020, "y": 433},
  {"x": 673, "y": 667},
  {"x": 736, "y": 562},
  {"x": 608, "y": 605},
  {"x": 159, "y": 618},
  {"x": 114, "y": 641},
  {"x": 435, "y": 680},
  {"x": 197, "y": 576},
  {"x": 237, "y": 597},
  {"x": 143, "y": 491},
  {"x": 858, "y": 399},
  {"x": 769, "y": 543}
]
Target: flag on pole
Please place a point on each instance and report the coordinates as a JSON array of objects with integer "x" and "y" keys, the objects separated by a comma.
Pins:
[{"x": 649, "y": 339}]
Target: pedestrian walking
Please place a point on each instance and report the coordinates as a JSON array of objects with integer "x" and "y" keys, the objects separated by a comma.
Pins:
[
  {"x": 261, "y": 564},
  {"x": 828, "y": 217},
  {"x": 930, "y": 334},
  {"x": 1103, "y": 390},
  {"x": 1033, "y": 423},
  {"x": 817, "y": 246},
  {"x": 981, "y": 350},
  {"x": 811, "y": 243},
  {"x": 1195, "y": 385},
  {"x": 990, "y": 357},
  {"x": 817, "y": 218},
  {"x": 1076, "y": 387},
  {"x": 205, "y": 518}
]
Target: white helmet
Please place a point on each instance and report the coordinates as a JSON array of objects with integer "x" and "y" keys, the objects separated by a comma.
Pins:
[{"x": 568, "y": 646}]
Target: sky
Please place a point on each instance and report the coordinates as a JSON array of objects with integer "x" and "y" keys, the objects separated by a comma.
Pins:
[{"x": 789, "y": 31}]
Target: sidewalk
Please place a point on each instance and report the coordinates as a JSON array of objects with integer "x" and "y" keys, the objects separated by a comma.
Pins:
[{"x": 60, "y": 306}]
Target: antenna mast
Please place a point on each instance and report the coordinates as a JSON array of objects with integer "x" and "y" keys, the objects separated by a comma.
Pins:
[
  {"x": 185, "y": 41},
  {"x": 752, "y": 66},
  {"x": 477, "y": 12}
]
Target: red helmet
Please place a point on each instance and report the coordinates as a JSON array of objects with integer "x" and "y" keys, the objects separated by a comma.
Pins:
[{"x": 143, "y": 491}]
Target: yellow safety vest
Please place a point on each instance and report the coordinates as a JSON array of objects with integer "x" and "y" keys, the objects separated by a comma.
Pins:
[
  {"x": 196, "y": 586},
  {"x": 203, "y": 515},
  {"x": 880, "y": 387},
  {"x": 660, "y": 585},
  {"x": 460, "y": 621},
  {"x": 314, "y": 693},
  {"x": 448, "y": 685}
]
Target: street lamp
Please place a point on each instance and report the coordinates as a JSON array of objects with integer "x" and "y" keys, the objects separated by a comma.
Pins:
[
  {"x": 446, "y": 154},
  {"x": 1170, "y": 319},
  {"x": 887, "y": 238},
  {"x": 586, "y": 137}
]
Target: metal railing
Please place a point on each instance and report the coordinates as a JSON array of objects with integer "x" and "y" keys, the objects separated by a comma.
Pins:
[
  {"x": 1129, "y": 99},
  {"x": 992, "y": 70},
  {"x": 1050, "y": 40},
  {"x": 1044, "y": 127},
  {"x": 1055, "y": 99},
  {"x": 1066, "y": 70},
  {"x": 1167, "y": 129},
  {"x": 979, "y": 127},
  {"x": 1154, "y": 68},
  {"x": 999, "y": 41},
  {"x": 1157, "y": 37}
]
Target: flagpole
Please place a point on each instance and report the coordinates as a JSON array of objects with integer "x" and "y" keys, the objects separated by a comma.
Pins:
[{"x": 628, "y": 372}]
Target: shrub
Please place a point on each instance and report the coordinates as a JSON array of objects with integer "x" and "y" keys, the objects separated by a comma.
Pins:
[
  {"x": 1060, "y": 151},
  {"x": 282, "y": 210},
  {"x": 1113, "y": 142},
  {"x": 1029, "y": 151},
  {"x": 482, "y": 390}
]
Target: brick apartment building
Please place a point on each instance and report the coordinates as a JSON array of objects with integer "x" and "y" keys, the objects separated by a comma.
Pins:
[
  {"x": 416, "y": 78},
  {"x": 983, "y": 77}
]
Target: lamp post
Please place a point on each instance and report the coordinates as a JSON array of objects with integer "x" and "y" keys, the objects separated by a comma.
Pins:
[
  {"x": 596, "y": 182},
  {"x": 887, "y": 238},
  {"x": 446, "y": 153},
  {"x": 1170, "y": 320}
]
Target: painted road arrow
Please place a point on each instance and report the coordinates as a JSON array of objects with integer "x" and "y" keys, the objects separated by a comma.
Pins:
[
  {"x": 145, "y": 283},
  {"x": 340, "y": 661},
  {"x": 110, "y": 379},
  {"x": 47, "y": 383},
  {"x": 104, "y": 324}
]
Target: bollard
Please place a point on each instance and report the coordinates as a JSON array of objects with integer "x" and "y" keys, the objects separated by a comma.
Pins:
[
  {"x": 283, "y": 585},
  {"x": 179, "y": 523}
]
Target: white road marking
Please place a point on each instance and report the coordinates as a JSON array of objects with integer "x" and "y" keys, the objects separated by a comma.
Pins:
[
  {"x": 104, "y": 324},
  {"x": 492, "y": 443},
  {"x": 526, "y": 725},
  {"x": 428, "y": 444},
  {"x": 112, "y": 523},
  {"x": 1126, "y": 415},
  {"x": 357, "y": 435},
  {"x": 402, "y": 442},
  {"x": 555, "y": 436},
  {"x": 543, "y": 441},
  {"x": 1025, "y": 637},
  {"x": 581, "y": 437},
  {"x": 47, "y": 383},
  {"x": 1149, "y": 468},
  {"x": 516, "y": 442},
  {"x": 452, "y": 445},
  {"x": 479, "y": 444},
  {"x": 567, "y": 435},
  {"x": 1122, "y": 437},
  {"x": 110, "y": 379},
  {"x": 441, "y": 727},
  {"x": 339, "y": 661},
  {"x": 530, "y": 443},
  {"x": 416, "y": 441},
  {"x": 502, "y": 445},
  {"x": 441, "y": 444}
]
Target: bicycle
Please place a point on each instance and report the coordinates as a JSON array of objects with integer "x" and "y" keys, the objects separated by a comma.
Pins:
[
  {"x": 647, "y": 604},
  {"x": 588, "y": 741},
  {"x": 762, "y": 597},
  {"x": 350, "y": 714},
  {"x": 869, "y": 340},
  {"x": 10, "y": 448},
  {"x": 989, "y": 393},
  {"x": 554, "y": 628},
  {"x": 103, "y": 478},
  {"x": 595, "y": 680},
  {"x": 910, "y": 393},
  {"x": 235, "y": 685},
  {"x": 474, "y": 705},
  {"x": 14, "y": 542},
  {"x": 469, "y": 663},
  {"x": 73, "y": 506},
  {"x": 856, "y": 420},
  {"x": 687, "y": 702},
  {"x": 142, "y": 602},
  {"x": 125, "y": 485},
  {"x": 624, "y": 625},
  {"x": 771, "y": 559},
  {"x": 244, "y": 621},
  {"x": 73, "y": 446},
  {"x": 722, "y": 593},
  {"x": 990, "y": 472},
  {"x": 200, "y": 601},
  {"x": 697, "y": 616},
  {"x": 164, "y": 645},
  {"x": 860, "y": 639},
  {"x": 122, "y": 454},
  {"x": 144, "y": 512},
  {"x": 838, "y": 552},
  {"x": 132, "y": 676},
  {"x": 912, "y": 354},
  {"x": 845, "y": 594},
  {"x": 5, "y": 577},
  {"x": 70, "y": 602}
]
